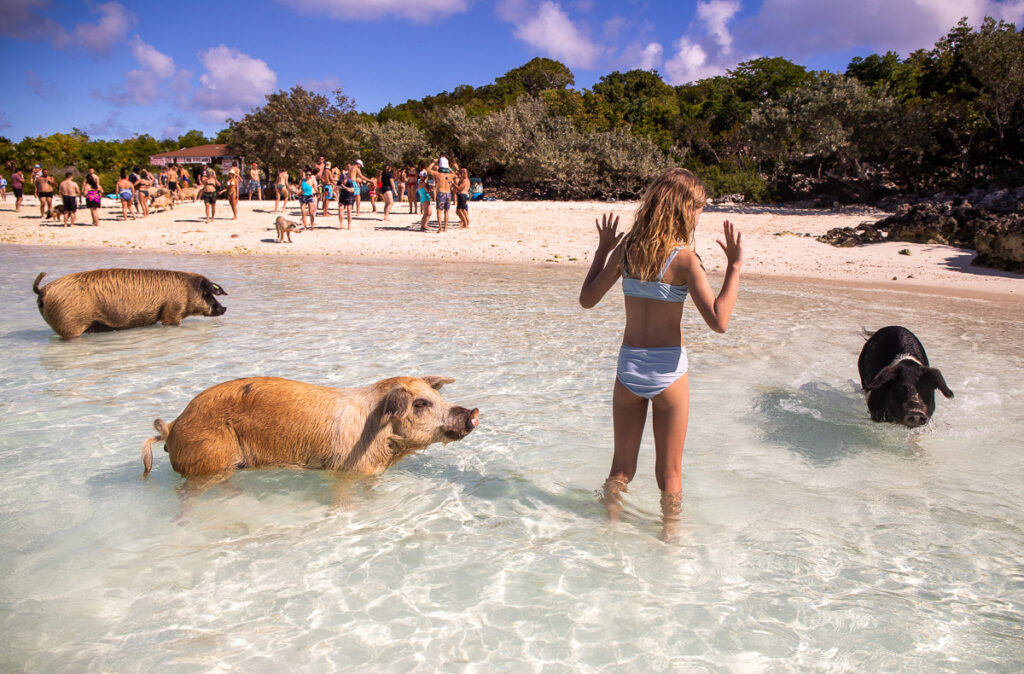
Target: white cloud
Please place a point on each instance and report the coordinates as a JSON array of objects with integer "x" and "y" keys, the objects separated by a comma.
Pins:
[
  {"x": 797, "y": 29},
  {"x": 157, "y": 78},
  {"x": 421, "y": 11},
  {"x": 112, "y": 28},
  {"x": 706, "y": 49},
  {"x": 553, "y": 33},
  {"x": 690, "y": 63},
  {"x": 232, "y": 84},
  {"x": 158, "y": 63},
  {"x": 716, "y": 15},
  {"x": 650, "y": 57}
]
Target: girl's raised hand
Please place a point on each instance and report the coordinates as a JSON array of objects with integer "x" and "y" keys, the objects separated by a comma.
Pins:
[
  {"x": 732, "y": 247},
  {"x": 607, "y": 237}
]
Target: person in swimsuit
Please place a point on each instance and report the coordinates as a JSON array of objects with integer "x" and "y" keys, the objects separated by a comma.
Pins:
[
  {"x": 307, "y": 199},
  {"x": 208, "y": 191},
  {"x": 255, "y": 186},
  {"x": 442, "y": 176},
  {"x": 44, "y": 192},
  {"x": 411, "y": 178},
  {"x": 143, "y": 186},
  {"x": 281, "y": 189},
  {"x": 18, "y": 187},
  {"x": 327, "y": 180},
  {"x": 69, "y": 197},
  {"x": 423, "y": 194},
  {"x": 125, "y": 194},
  {"x": 462, "y": 198},
  {"x": 388, "y": 189},
  {"x": 3, "y": 189},
  {"x": 659, "y": 269},
  {"x": 172, "y": 182},
  {"x": 346, "y": 197},
  {"x": 234, "y": 178},
  {"x": 356, "y": 173},
  {"x": 93, "y": 194}
]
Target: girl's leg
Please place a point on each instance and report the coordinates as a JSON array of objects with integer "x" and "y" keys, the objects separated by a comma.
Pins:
[
  {"x": 388, "y": 202},
  {"x": 302, "y": 213},
  {"x": 629, "y": 414},
  {"x": 426, "y": 216},
  {"x": 671, "y": 417}
]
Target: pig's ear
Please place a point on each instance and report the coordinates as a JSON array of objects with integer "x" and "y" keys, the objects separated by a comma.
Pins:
[
  {"x": 396, "y": 403},
  {"x": 882, "y": 378},
  {"x": 214, "y": 288},
  {"x": 935, "y": 379},
  {"x": 205, "y": 285},
  {"x": 437, "y": 382}
]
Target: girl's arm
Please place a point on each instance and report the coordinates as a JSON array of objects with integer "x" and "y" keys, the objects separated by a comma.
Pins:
[
  {"x": 604, "y": 270},
  {"x": 716, "y": 311}
]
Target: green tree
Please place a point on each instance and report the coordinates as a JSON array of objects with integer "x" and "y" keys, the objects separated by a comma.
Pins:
[
  {"x": 393, "y": 142},
  {"x": 192, "y": 138},
  {"x": 831, "y": 123},
  {"x": 533, "y": 77},
  {"x": 294, "y": 127}
]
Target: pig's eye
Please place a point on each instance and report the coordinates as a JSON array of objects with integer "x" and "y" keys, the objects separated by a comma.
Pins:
[{"x": 422, "y": 404}]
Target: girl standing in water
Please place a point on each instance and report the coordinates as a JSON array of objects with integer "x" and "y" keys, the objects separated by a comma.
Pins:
[{"x": 659, "y": 269}]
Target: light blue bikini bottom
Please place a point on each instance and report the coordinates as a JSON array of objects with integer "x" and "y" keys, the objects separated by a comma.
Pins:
[{"x": 648, "y": 372}]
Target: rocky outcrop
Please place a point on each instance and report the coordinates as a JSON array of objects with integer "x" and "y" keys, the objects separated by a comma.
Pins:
[{"x": 992, "y": 223}]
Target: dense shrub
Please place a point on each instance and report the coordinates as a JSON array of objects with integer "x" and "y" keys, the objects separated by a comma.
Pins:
[
  {"x": 732, "y": 177},
  {"x": 546, "y": 155},
  {"x": 393, "y": 142}
]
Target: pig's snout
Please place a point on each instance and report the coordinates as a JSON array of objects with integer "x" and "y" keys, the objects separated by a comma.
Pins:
[
  {"x": 915, "y": 418},
  {"x": 463, "y": 421}
]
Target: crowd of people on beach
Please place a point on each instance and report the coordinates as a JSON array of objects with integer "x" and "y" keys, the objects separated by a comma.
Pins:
[{"x": 441, "y": 182}]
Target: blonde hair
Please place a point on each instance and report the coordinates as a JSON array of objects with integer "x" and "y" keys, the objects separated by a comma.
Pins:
[{"x": 665, "y": 219}]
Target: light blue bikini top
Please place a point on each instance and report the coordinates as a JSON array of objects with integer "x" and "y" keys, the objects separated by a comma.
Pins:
[{"x": 655, "y": 290}]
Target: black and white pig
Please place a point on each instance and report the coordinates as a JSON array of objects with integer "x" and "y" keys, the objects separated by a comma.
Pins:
[{"x": 895, "y": 374}]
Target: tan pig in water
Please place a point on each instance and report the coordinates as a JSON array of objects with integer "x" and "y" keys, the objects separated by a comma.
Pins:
[
  {"x": 116, "y": 299},
  {"x": 267, "y": 421}
]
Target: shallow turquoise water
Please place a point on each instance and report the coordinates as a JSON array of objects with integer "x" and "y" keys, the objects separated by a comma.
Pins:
[{"x": 812, "y": 539}]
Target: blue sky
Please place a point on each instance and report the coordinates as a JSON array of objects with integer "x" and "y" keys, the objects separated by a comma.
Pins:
[{"x": 117, "y": 68}]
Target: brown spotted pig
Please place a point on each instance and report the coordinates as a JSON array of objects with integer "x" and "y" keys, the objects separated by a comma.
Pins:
[{"x": 115, "y": 299}]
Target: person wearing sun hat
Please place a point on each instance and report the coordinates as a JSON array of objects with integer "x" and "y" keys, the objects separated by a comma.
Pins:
[{"x": 443, "y": 176}]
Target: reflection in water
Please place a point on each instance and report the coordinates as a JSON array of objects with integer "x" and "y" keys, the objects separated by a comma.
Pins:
[{"x": 805, "y": 533}]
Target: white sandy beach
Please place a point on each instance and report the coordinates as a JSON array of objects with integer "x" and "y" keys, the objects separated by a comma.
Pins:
[{"x": 775, "y": 240}]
